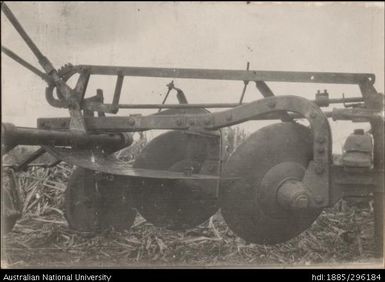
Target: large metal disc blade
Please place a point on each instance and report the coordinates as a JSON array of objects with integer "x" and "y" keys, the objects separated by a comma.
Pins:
[
  {"x": 259, "y": 158},
  {"x": 176, "y": 204},
  {"x": 93, "y": 206}
]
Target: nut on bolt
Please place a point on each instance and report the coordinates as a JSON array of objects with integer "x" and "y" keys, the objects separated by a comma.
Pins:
[
  {"x": 207, "y": 121},
  {"x": 301, "y": 202},
  {"x": 110, "y": 177},
  {"x": 131, "y": 121},
  {"x": 188, "y": 171}
]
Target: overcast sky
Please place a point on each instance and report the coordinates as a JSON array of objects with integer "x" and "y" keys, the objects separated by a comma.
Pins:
[{"x": 334, "y": 37}]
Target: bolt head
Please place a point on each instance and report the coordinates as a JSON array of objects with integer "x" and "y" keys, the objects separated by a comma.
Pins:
[
  {"x": 319, "y": 169},
  {"x": 131, "y": 122},
  {"x": 188, "y": 171},
  {"x": 301, "y": 202}
]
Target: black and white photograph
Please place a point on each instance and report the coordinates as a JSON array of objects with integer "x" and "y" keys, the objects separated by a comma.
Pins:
[{"x": 192, "y": 135}]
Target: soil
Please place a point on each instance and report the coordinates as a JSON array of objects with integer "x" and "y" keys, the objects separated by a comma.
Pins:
[{"x": 340, "y": 236}]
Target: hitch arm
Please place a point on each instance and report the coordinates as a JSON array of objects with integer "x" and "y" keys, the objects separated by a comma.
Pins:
[
  {"x": 70, "y": 96},
  {"x": 43, "y": 61}
]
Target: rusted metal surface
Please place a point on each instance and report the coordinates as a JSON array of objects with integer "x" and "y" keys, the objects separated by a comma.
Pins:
[
  {"x": 117, "y": 92},
  {"x": 181, "y": 204},
  {"x": 44, "y": 62},
  {"x": 71, "y": 97},
  {"x": 249, "y": 205},
  {"x": 282, "y": 184},
  {"x": 32, "y": 136},
  {"x": 356, "y": 182},
  {"x": 357, "y": 115},
  {"x": 96, "y": 160},
  {"x": 293, "y": 185},
  {"x": 259, "y": 77},
  {"x": 292, "y": 194},
  {"x": 117, "y": 124},
  {"x": 93, "y": 205},
  {"x": 267, "y": 92},
  {"x": 317, "y": 176},
  {"x": 241, "y": 113},
  {"x": 105, "y": 107},
  {"x": 241, "y": 75},
  {"x": 27, "y": 65}
]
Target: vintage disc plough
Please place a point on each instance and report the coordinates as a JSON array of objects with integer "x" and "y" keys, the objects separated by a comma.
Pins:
[{"x": 270, "y": 189}]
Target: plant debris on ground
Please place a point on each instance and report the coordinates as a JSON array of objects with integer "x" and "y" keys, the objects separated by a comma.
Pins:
[{"x": 342, "y": 235}]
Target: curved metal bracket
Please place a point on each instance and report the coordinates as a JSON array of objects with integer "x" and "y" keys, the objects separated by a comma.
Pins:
[{"x": 317, "y": 176}]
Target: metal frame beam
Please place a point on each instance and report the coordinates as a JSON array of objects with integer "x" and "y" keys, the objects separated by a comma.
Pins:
[{"x": 240, "y": 75}]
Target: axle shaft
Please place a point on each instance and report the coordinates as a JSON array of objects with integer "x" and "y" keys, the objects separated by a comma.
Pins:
[{"x": 12, "y": 135}]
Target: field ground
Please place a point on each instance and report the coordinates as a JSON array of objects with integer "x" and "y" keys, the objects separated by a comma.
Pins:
[{"x": 341, "y": 237}]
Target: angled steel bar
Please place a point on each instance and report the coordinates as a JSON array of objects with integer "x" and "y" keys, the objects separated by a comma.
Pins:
[
  {"x": 31, "y": 136},
  {"x": 218, "y": 74},
  {"x": 81, "y": 85},
  {"x": 245, "y": 83},
  {"x": 117, "y": 92},
  {"x": 44, "y": 62},
  {"x": 24, "y": 164},
  {"x": 317, "y": 177},
  {"x": 25, "y": 64},
  {"x": 267, "y": 92},
  {"x": 98, "y": 106},
  {"x": 68, "y": 94}
]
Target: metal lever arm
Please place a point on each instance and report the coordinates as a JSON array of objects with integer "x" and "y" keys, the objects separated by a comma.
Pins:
[{"x": 71, "y": 99}]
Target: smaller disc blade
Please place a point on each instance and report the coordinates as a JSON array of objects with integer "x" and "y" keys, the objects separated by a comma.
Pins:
[
  {"x": 93, "y": 206},
  {"x": 176, "y": 204}
]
